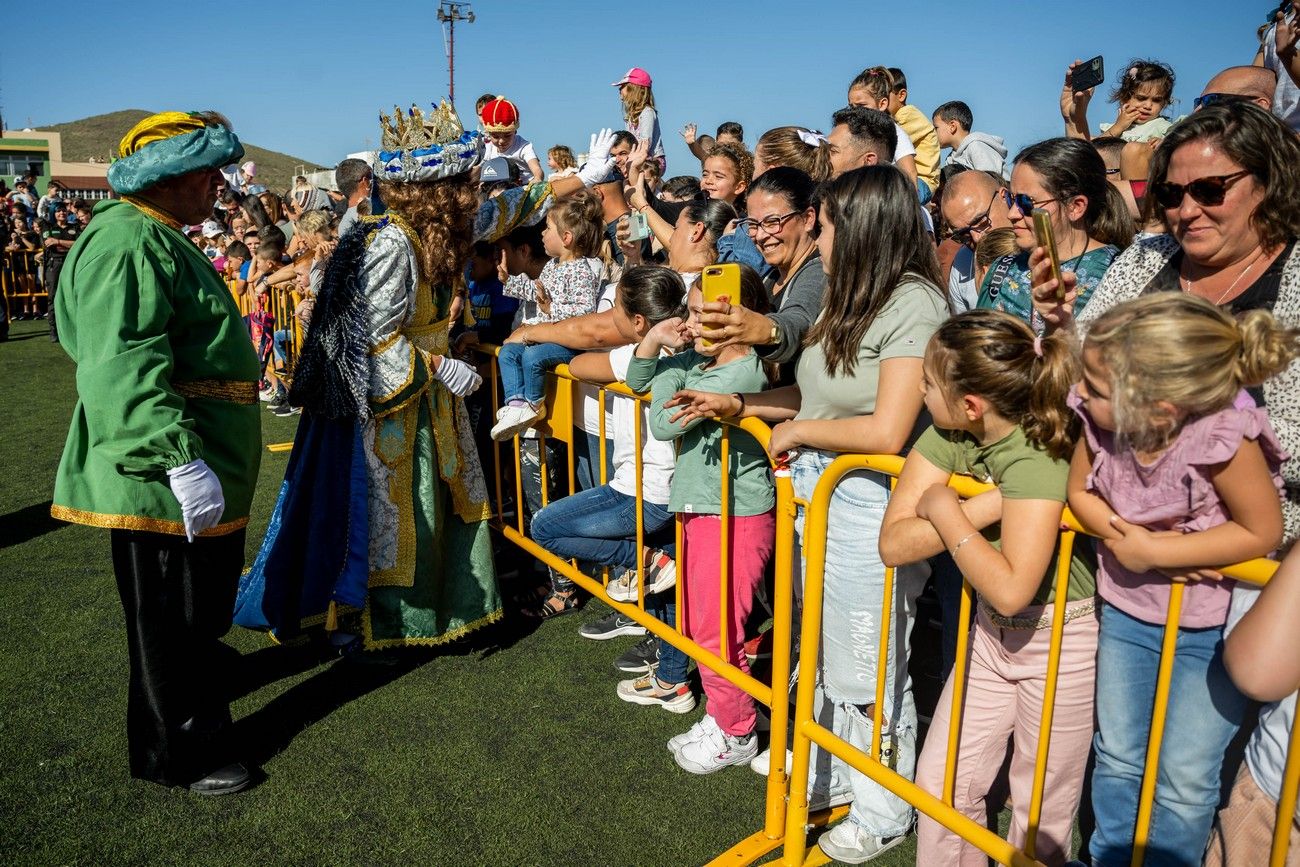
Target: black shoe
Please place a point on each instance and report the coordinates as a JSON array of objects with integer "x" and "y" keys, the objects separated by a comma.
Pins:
[
  {"x": 611, "y": 625},
  {"x": 640, "y": 658},
  {"x": 226, "y": 781},
  {"x": 284, "y": 411}
]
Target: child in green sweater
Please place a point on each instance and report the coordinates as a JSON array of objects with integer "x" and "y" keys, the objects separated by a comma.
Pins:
[{"x": 725, "y": 735}]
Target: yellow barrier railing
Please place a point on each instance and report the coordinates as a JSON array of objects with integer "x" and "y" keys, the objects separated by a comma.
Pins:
[
  {"x": 807, "y": 731},
  {"x": 558, "y": 425},
  {"x": 786, "y": 813},
  {"x": 19, "y": 279}
]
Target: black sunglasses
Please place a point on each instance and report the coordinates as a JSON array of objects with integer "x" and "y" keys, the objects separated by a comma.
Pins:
[
  {"x": 1207, "y": 99},
  {"x": 1204, "y": 191}
]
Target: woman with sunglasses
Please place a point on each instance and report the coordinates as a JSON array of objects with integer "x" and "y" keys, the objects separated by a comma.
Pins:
[
  {"x": 1090, "y": 223},
  {"x": 781, "y": 221},
  {"x": 1226, "y": 183}
]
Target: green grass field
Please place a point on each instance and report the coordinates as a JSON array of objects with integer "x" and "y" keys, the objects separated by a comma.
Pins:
[{"x": 514, "y": 751}]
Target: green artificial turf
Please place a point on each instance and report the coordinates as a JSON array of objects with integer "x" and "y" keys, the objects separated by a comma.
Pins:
[{"x": 514, "y": 750}]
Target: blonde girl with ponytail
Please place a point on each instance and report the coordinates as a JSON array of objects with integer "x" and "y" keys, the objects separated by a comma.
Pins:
[
  {"x": 997, "y": 395},
  {"x": 1178, "y": 475}
]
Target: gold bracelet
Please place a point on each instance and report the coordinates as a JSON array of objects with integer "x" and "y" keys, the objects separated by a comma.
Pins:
[{"x": 952, "y": 552}]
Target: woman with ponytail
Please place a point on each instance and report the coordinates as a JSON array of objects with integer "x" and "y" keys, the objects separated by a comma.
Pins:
[
  {"x": 997, "y": 394},
  {"x": 1178, "y": 474},
  {"x": 1090, "y": 223}
]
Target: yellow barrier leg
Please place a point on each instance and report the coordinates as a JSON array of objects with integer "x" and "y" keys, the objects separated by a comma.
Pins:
[
  {"x": 782, "y": 618},
  {"x": 1286, "y": 804},
  {"x": 958, "y": 676},
  {"x": 1064, "y": 552},
  {"x": 1146, "y": 799},
  {"x": 814, "y": 569}
]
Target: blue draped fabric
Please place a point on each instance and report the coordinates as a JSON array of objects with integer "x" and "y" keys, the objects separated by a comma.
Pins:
[{"x": 316, "y": 548}]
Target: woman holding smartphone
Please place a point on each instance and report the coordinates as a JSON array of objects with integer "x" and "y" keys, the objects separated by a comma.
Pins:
[
  {"x": 1089, "y": 222},
  {"x": 857, "y": 389}
]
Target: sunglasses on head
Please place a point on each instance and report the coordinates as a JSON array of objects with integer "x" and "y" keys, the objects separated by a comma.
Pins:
[
  {"x": 1207, "y": 99},
  {"x": 1204, "y": 191}
]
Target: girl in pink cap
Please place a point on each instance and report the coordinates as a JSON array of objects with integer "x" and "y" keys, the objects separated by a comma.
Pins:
[{"x": 639, "y": 112}]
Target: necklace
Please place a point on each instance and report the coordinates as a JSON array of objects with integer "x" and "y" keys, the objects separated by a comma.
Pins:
[{"x": 1187, "y": 284}]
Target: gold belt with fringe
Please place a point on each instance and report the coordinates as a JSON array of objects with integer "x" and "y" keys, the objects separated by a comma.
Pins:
[{"x": 218, "y": 389}]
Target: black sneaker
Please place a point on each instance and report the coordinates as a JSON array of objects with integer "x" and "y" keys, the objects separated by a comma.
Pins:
[
  {"x": 640, "y": 658},
  {"x": 611, "y": 625},
  {"x": 284, "y": 410}
]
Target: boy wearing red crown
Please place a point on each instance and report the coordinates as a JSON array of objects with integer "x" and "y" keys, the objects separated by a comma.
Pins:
[{"x": 500, "y": 119}]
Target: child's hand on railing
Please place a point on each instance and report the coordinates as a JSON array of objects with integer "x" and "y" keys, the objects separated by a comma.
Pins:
[{"x": 1138, "y": 548}]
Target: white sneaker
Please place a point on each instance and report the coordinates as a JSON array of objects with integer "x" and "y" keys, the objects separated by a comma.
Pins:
[
  {"x": 850, "y": 843},
  {"x": 513, "y": 419},
  {"x": 715, "y": 751},
  {"x": 762, "y": 763},
  {"x": 676, "y": 698},
  {"x": 705, "y": 724},
  {"x": 660, "y": 575}
]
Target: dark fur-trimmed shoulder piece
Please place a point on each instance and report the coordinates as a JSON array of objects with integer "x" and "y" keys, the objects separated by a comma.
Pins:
[{"x": 331, "y": 377}]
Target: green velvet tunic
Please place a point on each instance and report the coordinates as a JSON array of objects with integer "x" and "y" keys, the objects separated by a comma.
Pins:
[{"x": 166, "y": 374}]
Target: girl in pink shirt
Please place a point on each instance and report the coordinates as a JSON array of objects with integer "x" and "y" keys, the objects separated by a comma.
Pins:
[{"x": 1177, "y": 472}]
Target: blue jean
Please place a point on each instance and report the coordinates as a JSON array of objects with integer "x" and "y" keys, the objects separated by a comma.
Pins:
[
  {"x": 853, "y": 588},
  {"x": 280, "y": 343},
  {"x": 524, "y": 368},
  {"x": 586, "y": 459},
  {"x": 1205, "y": 711},
  {"x": 598, "y": 526},
  {"x": 923, "y": 191}
]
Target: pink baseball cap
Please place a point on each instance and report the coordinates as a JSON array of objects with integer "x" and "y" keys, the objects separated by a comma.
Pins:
[{"x": 635, "y": 75}]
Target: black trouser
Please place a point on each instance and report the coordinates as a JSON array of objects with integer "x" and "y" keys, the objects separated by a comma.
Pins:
[
  {"x": 52, "y": 269},
  {"x": 178, "y": 598}
]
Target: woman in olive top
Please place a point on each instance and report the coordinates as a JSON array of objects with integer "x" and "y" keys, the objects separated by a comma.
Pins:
[{"x": 857, "y": 389}]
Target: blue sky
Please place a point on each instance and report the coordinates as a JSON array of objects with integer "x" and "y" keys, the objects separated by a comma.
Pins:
[{"x": 308, "y": 78}]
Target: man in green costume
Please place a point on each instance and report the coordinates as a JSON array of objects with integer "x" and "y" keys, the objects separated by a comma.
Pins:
[{"x": 165, "y": 438}]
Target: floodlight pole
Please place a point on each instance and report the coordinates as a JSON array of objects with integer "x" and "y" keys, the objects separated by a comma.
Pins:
[{"x": 449, "y": 13}]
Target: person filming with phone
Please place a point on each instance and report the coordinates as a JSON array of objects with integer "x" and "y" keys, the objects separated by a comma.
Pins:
[{"x": 1087, "y": 220}]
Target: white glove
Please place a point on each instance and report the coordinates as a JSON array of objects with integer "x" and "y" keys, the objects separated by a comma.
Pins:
[
  {"x": 596, "y": 168},
  {"x": 460, "y": 378},
  {"x": 198, "y": 490},
  {"x": 601, "y": 142}
]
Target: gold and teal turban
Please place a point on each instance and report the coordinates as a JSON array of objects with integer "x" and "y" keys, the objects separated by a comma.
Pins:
[{"x": 170, "y": 144}]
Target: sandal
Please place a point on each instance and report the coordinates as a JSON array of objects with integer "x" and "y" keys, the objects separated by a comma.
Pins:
[{"x": 557, "y": 604}]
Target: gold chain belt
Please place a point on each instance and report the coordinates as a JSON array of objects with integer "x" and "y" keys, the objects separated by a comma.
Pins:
[{"x": 1073, "y": 611}]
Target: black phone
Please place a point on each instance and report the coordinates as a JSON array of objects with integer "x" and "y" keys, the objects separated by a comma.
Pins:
[{"x": 1088, "y": 74}]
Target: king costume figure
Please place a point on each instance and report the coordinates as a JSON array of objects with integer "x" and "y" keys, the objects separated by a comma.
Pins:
[
  {"x": 165, "y": 439},
  {"x": 380, "y": 533}
]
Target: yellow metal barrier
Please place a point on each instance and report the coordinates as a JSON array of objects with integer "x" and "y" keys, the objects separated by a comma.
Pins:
[
  {"x": 19, "y": 279},
  {"x": 807, "y": 732},
  {"x": 558, "y": 424},
  {"x": 786, "y": 815}
]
